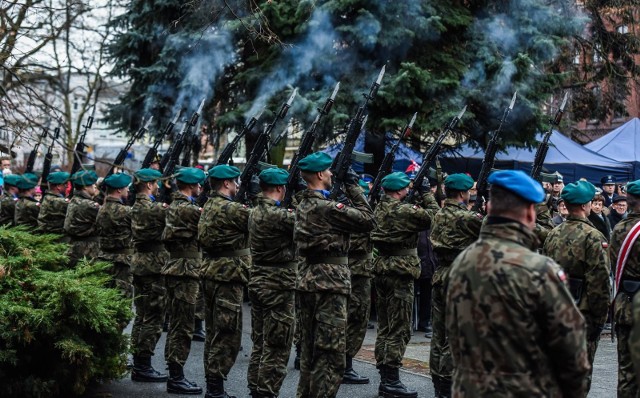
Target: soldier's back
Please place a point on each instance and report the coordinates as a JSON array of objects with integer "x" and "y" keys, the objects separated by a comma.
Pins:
[{"x": 53, "y": 211}]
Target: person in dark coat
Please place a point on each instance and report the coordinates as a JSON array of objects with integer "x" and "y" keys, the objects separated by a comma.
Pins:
[
  {"x": 618, "y": 210},
  {"x": 597, "y": 217}
]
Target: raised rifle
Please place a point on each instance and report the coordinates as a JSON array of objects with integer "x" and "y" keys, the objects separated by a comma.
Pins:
[
  {"x": 343, "y": 160},
  {"x": 259, "y": 151},
  {"x": 226, "y": 155},
  {"x": 490, "y": 159},
  {"x": 48, "y": 158},
  {"x": 430, "y": 156},
  {"x": 387, "y": 163},
  {"x": 122, "y": 155},
  {"x": 153, "y": 151},
  {"x": 543, "y": 148},
  {"x": 305, "y": 148},
  {"x": 34, "y": 152},
  {"x": 179, "y": 143},
  {"x": 78, "y": 153}
]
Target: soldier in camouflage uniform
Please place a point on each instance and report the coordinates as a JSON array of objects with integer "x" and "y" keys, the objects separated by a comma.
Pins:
[
  {"x": 223, "y": 233},
  {"x": 27, "y": 207},
  {"x": 634, "y": 337},
  {"x": 53, "y": 208},
  {"x": 513, "y": 327},
  {"x": 322, "y": 237},
  {"x": 80, "y": 221},
  {"x": 114, "y": 230},
  {"x": 396, "y": 268},
  {"x": 454, "y": 228},
  {"x": 9, "y": 199},
  {"x": 272, "y": 286},
  {"x": 147, "y": 224},
  {"x": 182, "y": 273},
  {"x": 627, "y": 285},
  {"x": 581, "y": 250}
]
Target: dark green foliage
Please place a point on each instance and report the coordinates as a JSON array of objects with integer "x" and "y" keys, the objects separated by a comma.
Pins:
[{"x": 60, "y": 329}]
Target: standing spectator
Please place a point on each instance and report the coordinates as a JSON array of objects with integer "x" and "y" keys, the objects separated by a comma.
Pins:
[
  {"x": 562, "y": 213},
  {"x": 608, "y": 189},
  {"x": 619, "y": 210},
  {"x": 5, "y": 164},
  {"x": 598, "y": 219}
]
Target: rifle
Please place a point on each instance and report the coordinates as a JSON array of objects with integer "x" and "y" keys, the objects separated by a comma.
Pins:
[
  {"x": 34, "y": 152},
  {"x": 179, "y": 143},
  {"x": 227, "y": 153},
  {"x": 543, "y": 148},
  {"x": 343, "y": 160},
  {"x": 490, "y": 159},
  {"x": 78, "y": 153},
  {"x": 46, "y": 165},
  {"x": 306, "y": 146},
  {"x": 387, "y": 163},
  {"x": 153, "y": 151},
  {"x": 122, "y": 155},
  {"x": 431, "y": 154},
  {"x": 259, "y": 150}
]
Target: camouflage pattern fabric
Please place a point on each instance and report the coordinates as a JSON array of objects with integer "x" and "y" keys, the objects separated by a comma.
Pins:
[
  {"x": 200, "y": 305},
  {"x": 544, "y": 221},
  {"x": 80, "y": 226},
  {"x": 53, "y": 211},
  {"x": 114, "y": 229},
  {"x": 394, "y": 304},
  {"x": 496, "y": 350},
  {"x": 181, "y": 306},
  {"x": 7, "y": 209},
  {"x": 150, "y": 300},
  {"x": 634, "y": 337},
  {"x": 359, "y": 308},
  {"x": 26, "y": 212}
]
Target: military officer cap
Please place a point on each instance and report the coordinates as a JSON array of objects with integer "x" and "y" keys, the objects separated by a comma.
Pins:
[
  {"x": 578, "y": 193},
  {"x": 117, "y": 181},
  {"x": 12, "y": 179},
  {"x": 224, "y": 172},
  {"x": 519, "y": 183},
  {"x": 618, "y": 198},
  {"x": 316, "y": 162},
  {"x": 609, "y": 179},
  {"x": 395, "y": 181},
  {"x": 458, "y": 182},
  {"x": 59, "y": 177},
  {"x": 633, "y": 188},
  {"x": 365, "y": 186},
  {"x": 84, "y": 177},
  {"x": 274, "y": 176},
  {"x": 190, "y": 175},
  {"x": 147, "y": 175},
  {"x": 27, "y": 181}
]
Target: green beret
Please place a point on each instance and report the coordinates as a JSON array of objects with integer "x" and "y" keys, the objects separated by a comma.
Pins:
[
  {"x": 633, "y": 188},
  {"x": 274, "y": 176},
  {"x": 224, "y": 172},
  {"x": 578, "y": 193},
  {"x": 190, "y": 175},
  {"x": 147, "y": 175},
  {"x": 59, "y": 177},
  {"x": 365, "y": 186},
  {"x": 27, "y": 181},
  {"x": 12, "y": 179},
  {"x": 459, "y": 182},
  {"x": 318, "y": 161},
  {"x": 119, "y": 180},
  {"x": 84, "y": 177},
  {"x": 395, "y": 181}
]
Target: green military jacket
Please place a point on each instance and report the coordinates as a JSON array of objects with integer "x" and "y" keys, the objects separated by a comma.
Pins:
[
  {"x": 453, "y": 229},
  {"x": 513, "y": 327},
  {"x": 397, "y": 227},
  {"x": 622, "y": 308},
  {"x": 581, "y": 250},
  {"x": 180, "y": 237},
  {"x": 272, "y": 249},
  {"x": 223, "y": 230},
  {"x": 26, "y": 212},
  {"x": 361, "y": 254},
  {"x": 544, "y": 221},
  {"x": 80, "y": 221},
  {"x": 114, "y": 230},
  {"x": 7, "y": 209},
  {"x": 147, "y": 224},
  {"x": 53, "y": 211}
]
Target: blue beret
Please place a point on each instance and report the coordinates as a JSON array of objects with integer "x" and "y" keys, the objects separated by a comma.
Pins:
[
  {"x": 147, "y": 175},
  {"x": 274, "y": 176},
  {"x": 365, "y": 186},
  {"x": 190, "y": 175},
  {"x": 119, "y": 180},
  {"x": 12, "y": 179},
  {"x": 459, "y": 182},
  {"x": 578, "y": 193},
  {"x": 633, "y": 188},
  {"x": 27, "y": 181},
  {"x": 84, "y": 177},
  {"x": 395, "y": 181},
  {"x": 318, "y": 161},
  {"x": 519, "y": 183},
  {"x": 58, "y": 177},
  {"x": 224, "y": 172}
]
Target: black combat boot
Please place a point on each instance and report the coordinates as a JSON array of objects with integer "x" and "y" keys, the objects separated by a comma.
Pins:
[
  {"x": 383, "y": 377},
  {"x": 144, "y": 372},
  {"x": 445, "y": 388},
  {"x": 198, "y": 332},
  {"x": 351, "y": 376},
  {"x": 393, "y": 387},
  {"x": 215, "y": 389},
  {"x": 178, "y": 384}
]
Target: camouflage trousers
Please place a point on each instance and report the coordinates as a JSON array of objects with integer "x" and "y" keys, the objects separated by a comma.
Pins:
[
  {"x": 78, "y": 249},
  {"x": 440, "y": 361},
  {"x": 627, "y": 383},
  {"x": 272, "y": 326},
  {"x": 223, "y": 321},
  {"x": 122, "y": 279},
  {"x": 149, "y": 300},
  {"x": 200, "y": 303},
  {"x": 182, "y": 292},
  {"x": 394, "y": 305},
  {"x": 323, "y": 321},
  {"x": 359, "y": 306}
]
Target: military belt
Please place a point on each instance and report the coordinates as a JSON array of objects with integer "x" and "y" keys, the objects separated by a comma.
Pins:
[
  {"x": 149, "y": 247},
  {"x": 361, "y": 256},
  {"x": 275, "y": 264},
  {"x": 185, "y": 254},
  {"x": 400, "y": 252},
  {"x": 118, "y": 251},
  {"x": 228, "y": 253},
  {"x": 327, "y": 260}
]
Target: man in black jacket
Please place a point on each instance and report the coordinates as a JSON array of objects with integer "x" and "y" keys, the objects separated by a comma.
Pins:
[{"x": 597, "y": 217}]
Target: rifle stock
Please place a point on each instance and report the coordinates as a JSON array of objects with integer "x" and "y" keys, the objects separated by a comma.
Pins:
[
  {"x": 122, "y": 155},
  {"x": 78, "y": 153},
  {"x": 153, "y": 151},
  {"x": 34, "y": 152},
  {"x": 543, "y": 148},
  {"x": 48, "y": 158}
]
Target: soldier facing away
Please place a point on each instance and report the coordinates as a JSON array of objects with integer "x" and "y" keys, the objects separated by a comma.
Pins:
[
  {"x": 513, "y": 327},
  {"x": 80, "y": 222},
  {"x": 53, "y": 208},
  {"x": 27, "y": 207}
]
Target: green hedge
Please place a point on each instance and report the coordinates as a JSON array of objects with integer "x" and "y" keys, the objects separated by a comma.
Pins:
[{"x": 60, "y": 329}]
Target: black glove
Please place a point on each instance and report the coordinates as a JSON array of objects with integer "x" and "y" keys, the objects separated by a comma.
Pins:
[
  {"x": 425, "y": 187},
  {"x": 352, "y": 177}
]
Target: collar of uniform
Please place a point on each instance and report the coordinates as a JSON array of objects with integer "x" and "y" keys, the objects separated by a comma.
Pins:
[
  {"x": 579, "y": 219},
  {"x": 29, "y": 198},
  {"x": 113, "y": 200},
  {"x": 310, "y": 193},
  {"x": 453, "y": 202},
  {"x": 83, "y": 195},
  {"x": 180, "y": 197},
  {"x": 142, "y": 196},
  {"x": 55, "y": 195},
  {"x": 263, "y": 200},
  {"x": 218, "y": 194},
  {"x": 512, "y": 231},
  {"x": 387, "y": 198}
]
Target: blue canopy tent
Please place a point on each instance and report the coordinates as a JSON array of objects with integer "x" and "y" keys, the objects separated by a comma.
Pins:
[{"x": 621, "y": 144}]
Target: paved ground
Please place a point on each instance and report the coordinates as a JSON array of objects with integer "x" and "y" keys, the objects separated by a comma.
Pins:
[{"x": 416, "y": 360}]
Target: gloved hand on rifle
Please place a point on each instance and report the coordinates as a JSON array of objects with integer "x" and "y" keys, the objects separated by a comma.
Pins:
[
  {"x": 352, "y": 177},
  {"x": 425, "y": 187}
]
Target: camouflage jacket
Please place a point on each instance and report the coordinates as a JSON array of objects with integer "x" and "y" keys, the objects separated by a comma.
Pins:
[
  {"x": 80, "y": 221},
  {"x": 272, "y": 249},
  {"x": 147, "y": 224},
  {"x": 622, "y": 303},
  {"x": 398, "y": 225},
  {"x": 361, "y": 254},
  {"x": 544, "y": 221},
  {"x": 454, "y": 228},
  {"x": 53, "y": 210},
  {"x": 581, "y": 250},
  {"x": 180, "y": 237},
  {"x": 7, "y": 209},
  {"x": 634, "y": 336},
  {"x": 322, "y": 230},
  {"x": 513, "y": 327},
  {"x": 224, "y": 227},
  {"x": 114, "y": 228},
  {"x": 26, "y": 212}
]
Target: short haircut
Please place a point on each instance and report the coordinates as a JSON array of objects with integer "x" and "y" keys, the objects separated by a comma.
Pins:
[
  {"x": 3, "y": 158},
  {"x": 139, "y": 185},
  {"x": 452, "y": 193},
  {"x": 633, "y": 202},
  {"x": 505, "y": 202},
  {"x": 598, "y": 198},
  {"x": 183, "y": 185},
  {"x": 268, "y": 187},
  {"x": 571, "y": 207},
  {"x": 306, "y": 175},
  {"x": 111, "y": 190},
  {"x": 216, "y": 184}
]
